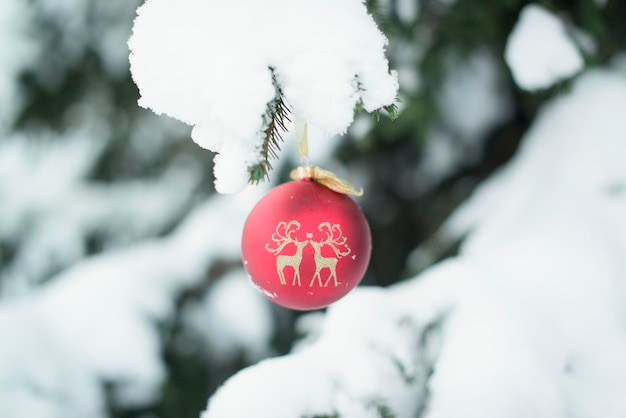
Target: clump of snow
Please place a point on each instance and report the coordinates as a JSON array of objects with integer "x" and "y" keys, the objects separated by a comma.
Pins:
[
  {"x": 540, "y": 291},
  {"x": 347, "y": 371},
  {"x": 527, "y": 321},
  {"x": 514, "y": 190},
  {"x": 539, "y": 50},
  {"x": 211, "y": 69}
]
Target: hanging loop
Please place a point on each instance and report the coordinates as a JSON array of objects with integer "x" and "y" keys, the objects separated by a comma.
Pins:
[
  {"x": 302, "y": 137},
  {"x": 325, "y": 178},
  {"x": 318, "y": 175}
]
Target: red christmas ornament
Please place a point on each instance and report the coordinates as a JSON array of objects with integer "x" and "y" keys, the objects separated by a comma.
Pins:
[{"x": 305, "y": 246}]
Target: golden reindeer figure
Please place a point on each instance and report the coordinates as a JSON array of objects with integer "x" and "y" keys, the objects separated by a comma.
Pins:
[
  {"x": 337, "y": 242},
  {"x": 282, "y": 237}
]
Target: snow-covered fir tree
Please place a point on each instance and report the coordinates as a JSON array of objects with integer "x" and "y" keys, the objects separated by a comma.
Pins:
[{"x": 136, "y": 136}]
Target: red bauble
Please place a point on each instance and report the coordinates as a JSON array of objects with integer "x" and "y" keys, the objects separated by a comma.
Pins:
[{"x": 305, "y": 246}]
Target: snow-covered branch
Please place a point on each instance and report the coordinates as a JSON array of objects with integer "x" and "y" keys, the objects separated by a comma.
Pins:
[
  {"x": 527, "y": 321},
  {"x": 89, "y": 314},
  {"x": 53, "y": 210},
  {"x": 211, "y": 64}
]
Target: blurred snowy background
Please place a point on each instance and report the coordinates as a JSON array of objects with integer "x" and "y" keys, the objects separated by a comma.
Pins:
[{"x": 121, "y": 289}]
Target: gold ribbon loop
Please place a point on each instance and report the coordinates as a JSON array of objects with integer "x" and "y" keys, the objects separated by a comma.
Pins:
[
  {"x": 325, "y": 178},
  {"x": 302, "y": 137}
]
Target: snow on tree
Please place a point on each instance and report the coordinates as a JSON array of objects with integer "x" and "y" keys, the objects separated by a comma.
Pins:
[
  {"x": 539, "y": 50},
  {"x": 526, "y": 321},
  {"x": 121, "y": 287},
  {"x": 229, "y": 68}
]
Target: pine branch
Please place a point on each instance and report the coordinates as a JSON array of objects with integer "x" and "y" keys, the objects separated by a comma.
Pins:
[
  {"x": 274, "y": 119},
  {"x": 390, "y": 110}
]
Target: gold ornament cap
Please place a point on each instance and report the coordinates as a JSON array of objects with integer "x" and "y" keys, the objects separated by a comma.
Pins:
[
  {"x": 318, "y": 175},
  {"x": 325, "y": 178}
]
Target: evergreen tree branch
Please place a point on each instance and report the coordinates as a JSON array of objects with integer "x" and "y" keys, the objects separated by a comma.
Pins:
[
  {"x": 274, "y": 125},
  {"x": 390, "y": 110},
  {"x": 274, "y": 121}
]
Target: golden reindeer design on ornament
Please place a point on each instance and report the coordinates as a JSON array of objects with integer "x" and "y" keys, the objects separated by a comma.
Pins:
[
  {"x": 334, "y": 239},
  {"x": 282, "y": 237}
]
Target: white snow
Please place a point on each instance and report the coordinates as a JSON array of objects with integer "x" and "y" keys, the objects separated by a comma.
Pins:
[
  {"x": 539, "y": 51},
  {"x": 70, "y": 322},
  {"x": 97, "y": 320},
  {"x": 528, "y": 321},
  {"x": 345, "y": 371},
  {"x": 211, "y": 69},
  {"x": 100, "y": 316},
  {"x": 38, "y": 378},
  {"x": 49, "y": 209}
]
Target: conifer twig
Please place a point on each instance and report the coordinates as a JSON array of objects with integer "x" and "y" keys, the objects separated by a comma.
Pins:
[
  {"x": 391, "y": 110},
  {"x": 274, "y": 120},
  {"x": 274, "y": 125}
]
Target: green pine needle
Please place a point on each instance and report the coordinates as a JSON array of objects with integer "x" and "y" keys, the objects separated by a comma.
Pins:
[
  {"x": 391, "y": 110},
  {"x": 274, "y": 126}
]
